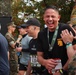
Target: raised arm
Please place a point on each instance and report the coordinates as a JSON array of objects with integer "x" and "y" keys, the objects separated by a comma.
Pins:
[{"x": 67, "y": 39}]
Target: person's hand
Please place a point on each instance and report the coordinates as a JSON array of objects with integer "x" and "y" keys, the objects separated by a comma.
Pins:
[
  {"x": 19, "y": 49},
  {"x": 20, "y": 36},
  {"x": 66, "y": 36},
  {"x": 50, "y": 64}
]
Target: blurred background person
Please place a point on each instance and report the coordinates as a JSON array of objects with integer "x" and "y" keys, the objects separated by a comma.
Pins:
[
  {"x": 24, "y": 49},
  {"x": 13, "y": 58},
  {"x": 4, "y": 63},
  {"x": 33, "y": 28},
  {"x": 74, "y": 26}
]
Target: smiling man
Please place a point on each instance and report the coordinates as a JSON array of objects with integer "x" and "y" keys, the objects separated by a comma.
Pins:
[{"x": 52, "y": 50}]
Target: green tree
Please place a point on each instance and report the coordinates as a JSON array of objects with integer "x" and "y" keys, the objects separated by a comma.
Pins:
[
  {"x": 5, "y": 7},
  {"x": 33, "y": 8}
]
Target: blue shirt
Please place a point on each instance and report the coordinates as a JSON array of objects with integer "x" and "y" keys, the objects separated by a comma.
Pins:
[
  {"x": 25, "y": 50},
  {"x": 4, "y": 63}
]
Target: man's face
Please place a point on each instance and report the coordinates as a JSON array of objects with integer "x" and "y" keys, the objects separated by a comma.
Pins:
[
  {"x": 30, "y": 30},
  {"x": 51, "y": 18},
  {"x": 21, "y": 31},
  {"x": 13, "y": 28}
]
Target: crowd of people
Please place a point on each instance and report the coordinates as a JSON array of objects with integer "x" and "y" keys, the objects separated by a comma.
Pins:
[{"x": 50, "y": 51}]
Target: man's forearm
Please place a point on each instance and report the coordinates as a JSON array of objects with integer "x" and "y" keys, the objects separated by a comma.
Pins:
[
  {"x": 70, "y": 52},
  {"x": 41, "y": 60}
]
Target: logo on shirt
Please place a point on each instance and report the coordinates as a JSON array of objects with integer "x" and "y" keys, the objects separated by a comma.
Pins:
[
  {"x": 33, "y": 48},
  {"x": 59, "y": 41}
]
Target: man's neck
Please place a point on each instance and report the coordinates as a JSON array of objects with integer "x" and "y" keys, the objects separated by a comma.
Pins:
[
  {"x": 52, "y": 30},
  {"x": 36, "y": 34}
]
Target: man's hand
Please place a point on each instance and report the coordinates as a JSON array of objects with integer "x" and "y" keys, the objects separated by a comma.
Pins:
[
  {"x": 66, "y": 36},
  {"x": 19, "y": 49},
  {"x": 19, "y": 38},
  {"x": 50, "y": 64}
]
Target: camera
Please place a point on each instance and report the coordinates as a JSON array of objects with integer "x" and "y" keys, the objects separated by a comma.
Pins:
[{"x": 17, "y": 45}]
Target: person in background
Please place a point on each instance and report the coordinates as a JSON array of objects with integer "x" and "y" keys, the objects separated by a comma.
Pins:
[
  {"x": 68, "y": 37},
  {"x": 18, "y": 44},
  {"x": 24, "y": 49},
  {"x": 4, "y": 63},
  {"x": 69, "y": 23},
  {"x": 52, "y": 52},
  {"x": 74, "y": 26},
  {"x": 13, "y": 59},
  {"x": 33, "y": 28}
]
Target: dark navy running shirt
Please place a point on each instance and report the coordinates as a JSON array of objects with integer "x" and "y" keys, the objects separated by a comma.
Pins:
[{"x": 4, "y": 64}]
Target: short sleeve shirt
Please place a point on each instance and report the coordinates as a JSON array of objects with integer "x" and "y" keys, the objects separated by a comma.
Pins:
[{"x": 59, "y": 49}]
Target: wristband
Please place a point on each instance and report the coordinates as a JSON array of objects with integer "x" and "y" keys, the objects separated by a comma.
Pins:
[{"x": 68, "y": 44}]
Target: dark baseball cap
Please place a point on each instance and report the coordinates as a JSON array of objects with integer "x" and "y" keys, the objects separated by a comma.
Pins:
[
  {"x": 21, "y": 26},
  {"x": 18, "y": 27},
  {"x": 33, "y": 21}
]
